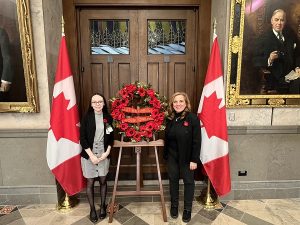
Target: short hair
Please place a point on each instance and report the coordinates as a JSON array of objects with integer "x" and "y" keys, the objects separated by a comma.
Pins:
[
  {"x": 277, "y": 11},
  {"x": 171, "y": 111}
]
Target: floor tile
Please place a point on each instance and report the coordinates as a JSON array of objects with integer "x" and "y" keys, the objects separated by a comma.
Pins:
[
  {"x": 144, "y": 211},
  {"x": 253, "y": 220},
  {"x": 233, "y": 212},
  {"x": 223, "y": 219},
  {"x": 135, "y": 221},
  {"x": 123, "y": 215},
  {"x": 209, "y": 214},
  {"x": 245, "y": 205},
  {"x": 14, "y": 216}
]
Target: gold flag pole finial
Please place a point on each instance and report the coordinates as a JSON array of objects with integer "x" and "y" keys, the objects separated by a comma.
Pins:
[
  {"x": 215, "y": 26},
  {"x": 62, "y": 26}
]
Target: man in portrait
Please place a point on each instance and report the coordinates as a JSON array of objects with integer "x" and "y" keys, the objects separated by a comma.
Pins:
[
  {"x": 6, "y": 73},
  {"x": 277, "y": 51}
]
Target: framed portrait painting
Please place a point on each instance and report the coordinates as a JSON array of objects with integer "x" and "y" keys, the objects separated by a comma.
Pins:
[
  {"x": 18, "y": 90},
  {"x": 264, "y": 54}
]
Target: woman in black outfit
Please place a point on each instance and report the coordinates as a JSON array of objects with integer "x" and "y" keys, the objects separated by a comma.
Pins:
[
  {"x": 96, "y": 139},
  {"x": 182, "y": 151}
]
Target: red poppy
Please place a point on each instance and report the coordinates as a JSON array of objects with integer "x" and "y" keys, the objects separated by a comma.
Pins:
[
  {"x": 186, "y": 123},
  {"x": 151, "y": 93},
  {"x": 104, "y": 120},
  {"x": 146, "y": 133},
  {"x": 154, "y": 113},
  {"x": 130, "y": 87},
  {"x": 115, "y": 113},
  {"x": 149, "y": 126},
  {"x": 124, "y": 93},
  {"x": 130, "y": 132},
  {"x": 142, "y": 92},
  {"x": 143, "y": 128},
  {"x": 124, "y": 126},
  {"x": 124, "y": 102},
  {"x": 155, "y": 103},
  {"x": 137, "y": 136},
  {"x": 116, "y": 103},
  {"x": 121, "y": 116},
  {"x": 161, "y": 117}
]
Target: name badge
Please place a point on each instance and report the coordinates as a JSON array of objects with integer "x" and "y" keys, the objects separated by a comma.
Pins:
[{"x": 109, "y": 130}]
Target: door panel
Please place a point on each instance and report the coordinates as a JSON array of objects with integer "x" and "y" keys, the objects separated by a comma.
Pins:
[
  {"x": 172, "y": 73},
  {"x": 105, "y": 73},
  {"x": 115, "y": 69}
]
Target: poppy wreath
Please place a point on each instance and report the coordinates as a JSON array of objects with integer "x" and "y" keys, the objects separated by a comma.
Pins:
[{"x": 138, "y": 112}]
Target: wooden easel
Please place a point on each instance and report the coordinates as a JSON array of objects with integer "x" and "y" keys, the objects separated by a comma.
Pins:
[{"x": 121, "y": 144}]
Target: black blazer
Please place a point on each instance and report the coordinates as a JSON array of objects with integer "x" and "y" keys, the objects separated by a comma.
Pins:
[
  {"x": 289, "y": 56},
  {"x": 188, "y": 140},
  {"x": 88, "y": 129}
]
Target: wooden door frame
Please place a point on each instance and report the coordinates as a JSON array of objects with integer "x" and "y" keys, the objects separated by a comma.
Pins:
[{"x": 71, "y": 17}]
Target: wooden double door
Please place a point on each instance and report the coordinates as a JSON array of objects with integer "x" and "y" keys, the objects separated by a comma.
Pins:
[{"x": 167, "y": 73}]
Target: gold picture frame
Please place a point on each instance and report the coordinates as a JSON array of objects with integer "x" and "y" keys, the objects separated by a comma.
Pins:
[
  {"x": 18, "y": 23},
  {"x": 245, "y": 82}
]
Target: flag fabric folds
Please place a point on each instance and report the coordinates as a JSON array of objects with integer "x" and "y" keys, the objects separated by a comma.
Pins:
[
  {"x": 212, "y": 114},
  {"x": 63, "y": 144}
]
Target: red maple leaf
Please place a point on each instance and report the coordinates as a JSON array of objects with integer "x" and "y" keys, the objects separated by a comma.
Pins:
[
  {"x": 213, "y": 118},
  {"x": 64, "y": 122}
]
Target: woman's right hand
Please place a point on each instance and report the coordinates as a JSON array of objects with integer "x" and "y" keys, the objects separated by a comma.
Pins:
[{"x": 95, "y": 160}]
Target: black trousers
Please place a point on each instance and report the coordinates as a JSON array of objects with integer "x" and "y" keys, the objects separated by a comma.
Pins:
[{"x": 177, "y": 171}]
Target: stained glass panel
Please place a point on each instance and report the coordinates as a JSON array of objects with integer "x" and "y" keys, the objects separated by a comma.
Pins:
[
  {"x": 166, "y": 36},
  {"x": 109, "y": 37}
]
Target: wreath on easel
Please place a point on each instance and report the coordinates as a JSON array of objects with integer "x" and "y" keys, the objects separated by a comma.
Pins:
[{"x": 138, "y": 112}]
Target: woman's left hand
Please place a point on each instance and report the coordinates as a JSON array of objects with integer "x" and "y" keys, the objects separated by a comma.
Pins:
[
  {"x": 103, "y": 156},
  {"x": 193, "y": 166}
]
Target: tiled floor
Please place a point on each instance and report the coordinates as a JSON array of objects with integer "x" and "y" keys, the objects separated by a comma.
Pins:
[{"x": 134, "y": 212}]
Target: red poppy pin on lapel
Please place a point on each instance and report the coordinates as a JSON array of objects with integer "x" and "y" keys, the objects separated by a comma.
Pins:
[{"x": 186, "y": 123}]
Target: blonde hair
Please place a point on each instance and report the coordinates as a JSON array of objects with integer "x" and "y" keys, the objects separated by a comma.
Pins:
[{"x": 171, "y": 111}]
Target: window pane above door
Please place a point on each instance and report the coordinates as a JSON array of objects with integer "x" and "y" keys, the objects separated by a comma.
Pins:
[
  {"x": 109, "y": 37},
  {"x": 166, "y": 37}
]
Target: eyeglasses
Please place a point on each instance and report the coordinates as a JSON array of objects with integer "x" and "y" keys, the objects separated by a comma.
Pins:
[{"x": 98, "y": 102}]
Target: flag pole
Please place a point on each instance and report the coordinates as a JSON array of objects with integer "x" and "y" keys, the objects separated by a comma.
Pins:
[
  {"x": 68, "y": 202},
  {"x": 65, "y": 202},
  {"x": 210, "y": 201}
]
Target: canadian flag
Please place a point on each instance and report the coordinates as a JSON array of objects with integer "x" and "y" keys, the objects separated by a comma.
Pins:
[
  {"x": 63, "y": 145},
  {"x": 212, "y": 114}
]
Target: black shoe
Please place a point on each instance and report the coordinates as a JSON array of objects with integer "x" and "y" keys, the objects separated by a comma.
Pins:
[
  {"x": 174, "y": 212},
  {"x": 102, "y": 214},
  {"x": 186, "y": 217},
  {"x": 93, "y": 216}
]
